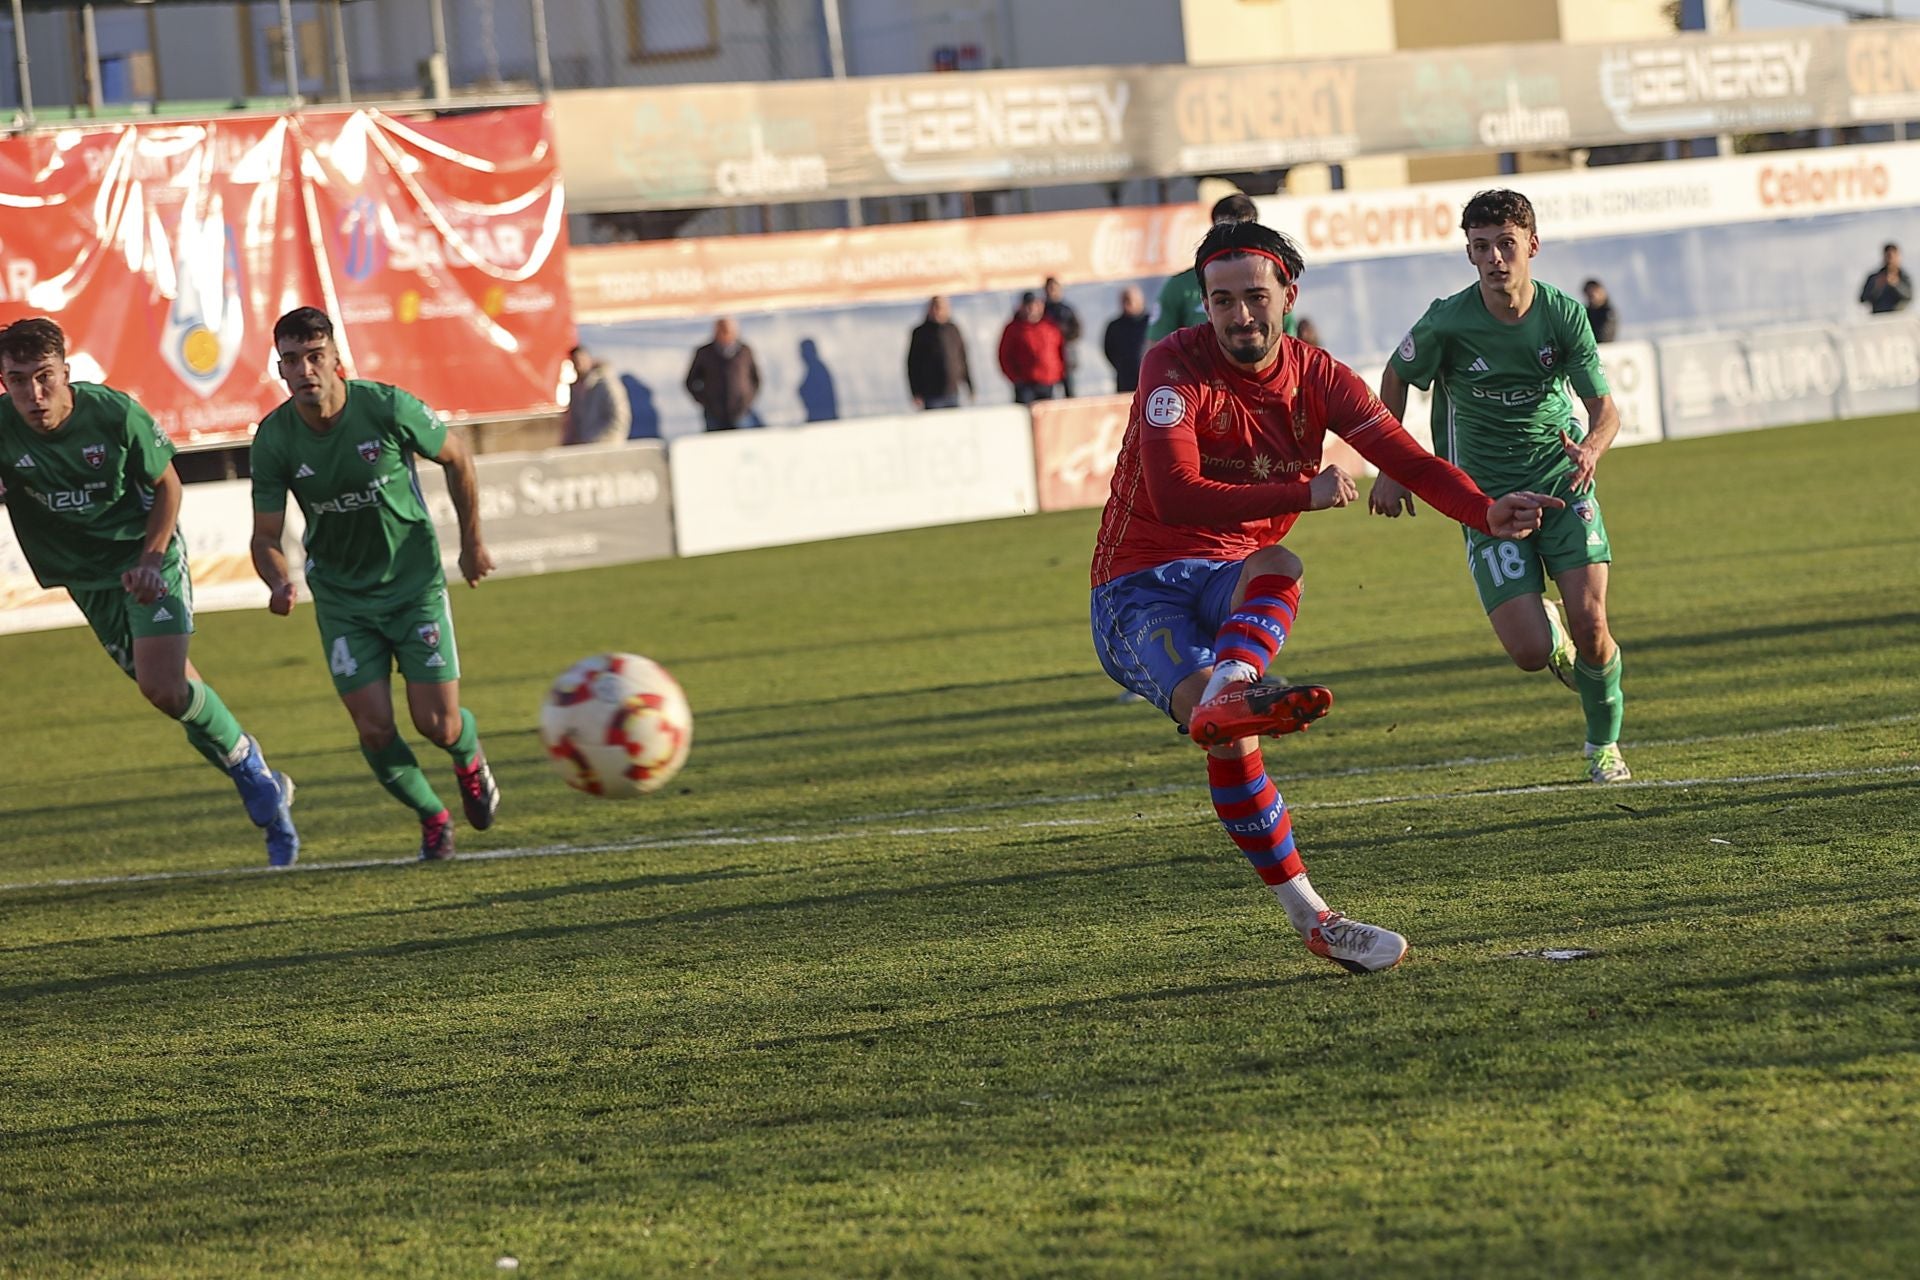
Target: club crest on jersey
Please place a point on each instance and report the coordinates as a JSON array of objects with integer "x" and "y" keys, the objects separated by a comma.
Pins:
[
  {"x": 430, "y": 634},
  {"x": 1585, "y": 510},
  {"x": 1165, "y": 407},
  {"x": 1547, "y": 356},
  {"x": 1222, "y": 423},
  {"x": 95, "y": 454},
  {"x": 1406, "y": 346},
  {"x": 369, "y": 450}
]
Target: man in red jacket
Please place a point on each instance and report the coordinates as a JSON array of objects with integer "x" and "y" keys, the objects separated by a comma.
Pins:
[
  {"x": 1033, "y": 354},
  {"x": 1193, "y": 594}
]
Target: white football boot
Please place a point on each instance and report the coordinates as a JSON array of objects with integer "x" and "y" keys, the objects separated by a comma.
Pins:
[
  {"x": 1355, "y": 947},
  {"x": 1606, "y": 764}
]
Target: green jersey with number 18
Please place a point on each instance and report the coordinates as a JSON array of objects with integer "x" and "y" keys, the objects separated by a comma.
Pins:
[
  {"x": 369, "y": 536},
  {"x": 1500, "y": 390},
  {"x": 79, "y": 494}
]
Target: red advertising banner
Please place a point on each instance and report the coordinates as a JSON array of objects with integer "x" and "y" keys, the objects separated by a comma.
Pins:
[
  {"x": 1075, "y": 444},
  {"x": 167, "y": 251}
]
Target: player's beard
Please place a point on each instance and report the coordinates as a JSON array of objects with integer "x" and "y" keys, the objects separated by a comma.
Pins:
[{"x": 1249, "y": 348}]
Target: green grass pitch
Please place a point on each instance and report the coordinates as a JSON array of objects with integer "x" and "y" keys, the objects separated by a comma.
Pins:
[{"x": 934, "y": 962}]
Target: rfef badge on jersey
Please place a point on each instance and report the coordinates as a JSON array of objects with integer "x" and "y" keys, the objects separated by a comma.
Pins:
[{"x": 1165, "y": 407}]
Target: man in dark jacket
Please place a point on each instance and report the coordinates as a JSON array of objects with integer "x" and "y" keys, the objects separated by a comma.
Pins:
[
  {"x": 1125, "y": 340},
  {"x": 937, "y": 360},
  {"x": 1032, "y": 354},
  {"x": 1889, "y": 288},
  {"x": 1067, "y": 321},
  {"x": 724, "y": 379},
  {"x": 1601, "y": 316}
]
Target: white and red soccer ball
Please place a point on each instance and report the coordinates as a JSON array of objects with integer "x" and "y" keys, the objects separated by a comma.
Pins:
[{"x": 616, "y": 725}]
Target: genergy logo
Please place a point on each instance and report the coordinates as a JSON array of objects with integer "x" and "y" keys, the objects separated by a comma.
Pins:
[
  {"x": 1701, "y": 84},
  {"x": 1414, "y": 222},
  {"x": 909, "y": 124},
  {"x": 1801, "y": 184}
]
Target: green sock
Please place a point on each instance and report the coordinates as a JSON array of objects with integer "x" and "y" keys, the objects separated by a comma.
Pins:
[
  {"x": 400, "y": 774},
  {"x": 467, "y": 746},
  {"x": 1600, "y": 698},
  {"x": 210, "y": 727}
]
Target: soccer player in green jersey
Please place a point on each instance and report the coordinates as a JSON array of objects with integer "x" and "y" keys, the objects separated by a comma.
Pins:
[
  {"x": 95, "y": 501},
  {"x": 345, "y": 450},
  {"x": 1498, "y": 356}
]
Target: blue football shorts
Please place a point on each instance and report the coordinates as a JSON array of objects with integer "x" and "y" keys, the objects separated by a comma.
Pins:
[{"x": 1154, "y": 628}]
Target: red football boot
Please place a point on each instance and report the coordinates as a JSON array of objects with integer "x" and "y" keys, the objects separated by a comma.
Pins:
[{"x": 1245, "y": 710}]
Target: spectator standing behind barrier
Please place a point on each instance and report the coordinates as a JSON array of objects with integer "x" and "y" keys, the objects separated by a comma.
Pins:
[
  {"x": 1125, "y": 340},
  {"x": 937, "y": 360},
  {"x": 597, "y": 411},
  {"x": 1889, "y": 288},
  {"x": 1309, "y": 333},
  {"x": 1067, "y": 321},
  {"x": 1601, "y": 316},
  {"x": 1032, "y": 353},
  {"x": 724, "y": 379}
]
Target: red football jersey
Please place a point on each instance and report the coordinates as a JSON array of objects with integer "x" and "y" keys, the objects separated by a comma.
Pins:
[{"x": 1216, "y": 462}]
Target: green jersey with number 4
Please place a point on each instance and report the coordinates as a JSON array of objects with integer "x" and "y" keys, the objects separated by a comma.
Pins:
[
  {"x": 79, "y": 494},
  {"x": 1499, "y": 390},
  {"x": 369, "y": 536}
]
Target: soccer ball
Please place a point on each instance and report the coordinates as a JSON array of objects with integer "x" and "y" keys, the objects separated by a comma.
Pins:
[{"x": 616, "y": 725}]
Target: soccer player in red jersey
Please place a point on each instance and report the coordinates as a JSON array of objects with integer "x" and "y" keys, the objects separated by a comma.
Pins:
[{"x": 1193, "y": 594}]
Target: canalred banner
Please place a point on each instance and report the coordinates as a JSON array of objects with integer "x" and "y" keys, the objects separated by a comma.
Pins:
[{"x": 167, "y": 251}]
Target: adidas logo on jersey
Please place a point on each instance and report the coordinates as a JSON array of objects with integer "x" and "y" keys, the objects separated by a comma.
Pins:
[
  {"x": 303, "y": 473},
  {"x": 26, "y": 461},
  {"x": 435, "y": 660},
  {"x": 1479, "y": 365},
  {"x": 161, "y": 614}
]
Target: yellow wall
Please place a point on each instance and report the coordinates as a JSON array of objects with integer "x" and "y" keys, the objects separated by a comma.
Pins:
[{"x": 1221, "y": 31}]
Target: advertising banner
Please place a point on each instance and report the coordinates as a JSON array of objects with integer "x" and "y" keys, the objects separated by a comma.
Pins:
[
  {"x": 1881, "y": 362},
  {"x": 1633, "y": 378},
  {"x": 1735, "y": 382},
  {"x": 697, "y": 146},
  {"x": 167, "y": 251},
  {"x": 562, "y": 508},
  {"x": 764, "y": 488},
  {"x": 666, "y": 278},
  {"x": 216, "y": 521},
  {"x": 1075, "y": 446}
]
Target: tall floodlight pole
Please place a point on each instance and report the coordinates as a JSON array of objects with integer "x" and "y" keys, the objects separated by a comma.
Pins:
[
  {"x": 837, "y": 64},
  {"x": 337, "y": 28},
  {"x": 542, "y": 58},
  {"x": 20, "y": 62},
  {"x": 437, "y": 15},
  {"x": 292, "y": 54},
  {"x": 90, "y": 50}
]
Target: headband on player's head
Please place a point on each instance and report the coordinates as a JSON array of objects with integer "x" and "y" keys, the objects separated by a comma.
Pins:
[{"x": 1286, "y": 276}]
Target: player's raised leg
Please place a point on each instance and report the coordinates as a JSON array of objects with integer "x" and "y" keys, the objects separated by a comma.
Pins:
[
  {"x": 1233, "y": 704},
  {"x": 395, "y": 766},
  {"x": 1256, "y": 819},
  {"x": 174, "y": 687},
  {"x": 1596, "y": 669}
]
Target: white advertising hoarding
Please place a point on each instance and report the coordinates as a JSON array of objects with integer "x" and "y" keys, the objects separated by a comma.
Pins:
[{"x": 762, "y": 488}]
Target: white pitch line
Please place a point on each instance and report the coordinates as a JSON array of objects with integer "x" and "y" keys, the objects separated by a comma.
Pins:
[{"x": 847, "y": 834}]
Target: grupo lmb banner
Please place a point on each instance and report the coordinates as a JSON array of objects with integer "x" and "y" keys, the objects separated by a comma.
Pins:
[{"x": 167, "y": 251}]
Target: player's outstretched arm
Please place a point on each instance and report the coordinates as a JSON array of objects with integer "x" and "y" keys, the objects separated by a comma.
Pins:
[
  {"x": 270, "y": 560},
  {"x": 463, "y": 486},
  {"x": 1518, "y": 515}
]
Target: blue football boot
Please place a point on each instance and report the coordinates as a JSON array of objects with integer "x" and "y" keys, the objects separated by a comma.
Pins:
[{"x": 268, "y": 796}]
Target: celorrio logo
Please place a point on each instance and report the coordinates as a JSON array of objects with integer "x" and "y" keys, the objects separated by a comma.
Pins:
[
  {"x": 1706, "y": 86},
  {"x": 976, "y": 133}
]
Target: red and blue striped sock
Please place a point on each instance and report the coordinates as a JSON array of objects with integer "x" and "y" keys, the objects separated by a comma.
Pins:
[
  {"x": 1254, "y": 632},
  {"x": 1255, "y": 816}
]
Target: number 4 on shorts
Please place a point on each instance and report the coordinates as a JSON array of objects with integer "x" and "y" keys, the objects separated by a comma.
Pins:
[{"x": 340, "y": 659}]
